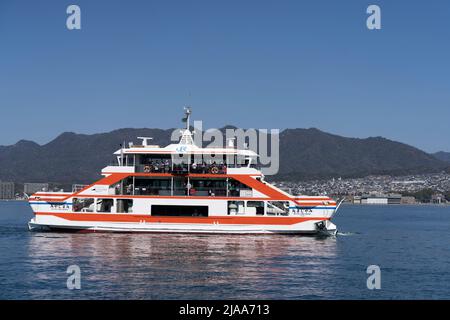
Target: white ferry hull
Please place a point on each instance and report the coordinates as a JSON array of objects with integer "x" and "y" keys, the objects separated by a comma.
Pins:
[{"x": 52, "y": 223}]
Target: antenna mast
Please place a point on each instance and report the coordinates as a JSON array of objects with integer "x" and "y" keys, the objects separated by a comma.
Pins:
[{"x": 187, "y": 118}]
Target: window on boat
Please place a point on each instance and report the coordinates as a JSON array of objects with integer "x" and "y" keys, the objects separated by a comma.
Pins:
[
  {"x": 124, "y": 205},
  {"x": 154, "y": 163},
  {"x": 208, "y": 168},
  {"x": 179, "y": 211},
  {"x": 124, "y": 186},
  {"x": 185, "y": 163},
  {"x": 208, "y": 187},
  {"x": 83, "y": 205},
  {"x": 180, "y": 186},
  {"x": 104, "y": 205},
  {"x": 255, "y": 207},
  {"x": 236, "y": 207},
  {"x": 152, "y": 186},
  {"x": 127, "y": 160},
  {"x": 152, "y": 158},
  {"x": 278, "y": 208},
  {"x": 238, "y": 189}
]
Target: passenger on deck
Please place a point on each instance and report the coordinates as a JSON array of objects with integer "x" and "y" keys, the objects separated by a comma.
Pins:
[
  {"x": 129, "y": 188},
  {"x": 166, "y": 166}
]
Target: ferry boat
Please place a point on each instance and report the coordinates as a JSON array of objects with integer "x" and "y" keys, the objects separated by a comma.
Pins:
[{"x": 174, "y": 189}]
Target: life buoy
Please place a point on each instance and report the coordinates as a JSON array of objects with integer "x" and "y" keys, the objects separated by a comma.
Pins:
[
  {"x": 214, "y": 170},
  {"x": 147, "y": 169}
]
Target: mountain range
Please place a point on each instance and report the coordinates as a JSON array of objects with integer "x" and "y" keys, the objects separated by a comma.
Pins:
[
  {"x": 304, "y": 154},
  {"x": 441, "y": 155}
]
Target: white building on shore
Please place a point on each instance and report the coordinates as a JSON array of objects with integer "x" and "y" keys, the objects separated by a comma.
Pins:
[
  {"x": 31, "y": 188},
  {"x": 6, "y": 190}
]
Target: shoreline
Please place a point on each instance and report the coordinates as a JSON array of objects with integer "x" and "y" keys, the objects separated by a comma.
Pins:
[{"x": 400, "y": 204}]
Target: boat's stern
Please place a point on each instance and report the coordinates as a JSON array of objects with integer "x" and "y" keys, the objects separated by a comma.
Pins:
[
  {"x": 33, "y": 225},
  {"x": 326, "y": 227},
  {"x": 319, "y": 208}
]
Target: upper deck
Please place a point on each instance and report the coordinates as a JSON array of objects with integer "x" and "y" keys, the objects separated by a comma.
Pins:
[{"x": 184, "y": 157}]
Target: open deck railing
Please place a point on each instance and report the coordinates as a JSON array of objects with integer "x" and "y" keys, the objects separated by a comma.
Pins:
[{"x": 182, "y": 168}]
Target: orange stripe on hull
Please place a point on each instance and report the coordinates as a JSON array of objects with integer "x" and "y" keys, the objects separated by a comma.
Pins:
[{"x": 193, "y": 220}]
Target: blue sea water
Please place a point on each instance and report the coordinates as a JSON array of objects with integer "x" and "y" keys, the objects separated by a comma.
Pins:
[{"x": 410, "y": 244}]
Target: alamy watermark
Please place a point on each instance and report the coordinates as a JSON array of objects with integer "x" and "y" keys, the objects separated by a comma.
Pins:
[
  {"x": 258, "y": 147},
  {"x": 74, "y": 279},
  {"x": 373, "y": 22},
  {"x": 73, "y": 21},
  {"x": 374, "y": 279}
]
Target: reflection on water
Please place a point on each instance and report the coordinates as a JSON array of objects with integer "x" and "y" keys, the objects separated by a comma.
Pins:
[
  {"x": 409, "y": 243},
  {"x": 182, "y": 266}
]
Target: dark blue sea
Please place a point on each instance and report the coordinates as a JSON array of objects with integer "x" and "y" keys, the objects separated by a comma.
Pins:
[{"x": 410, "y": 244}]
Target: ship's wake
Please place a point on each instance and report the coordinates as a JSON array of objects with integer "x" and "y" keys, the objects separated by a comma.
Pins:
[{"x": 345, "y": 234}]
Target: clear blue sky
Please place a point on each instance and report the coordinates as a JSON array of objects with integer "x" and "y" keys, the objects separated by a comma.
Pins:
[{"x": 263, "y": 64}]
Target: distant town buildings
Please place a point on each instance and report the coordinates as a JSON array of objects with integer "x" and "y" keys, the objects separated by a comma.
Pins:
[
  {"x": 425, "y": 188},
  {"x": 377, "y": 199},
  {"x": 408, "y": 200},
  {"x": 7, "y": 190},
  {"x": 376, "y": 189},
  {"x": 438, "y": 198},
  {"x": 30, "y": 188}
]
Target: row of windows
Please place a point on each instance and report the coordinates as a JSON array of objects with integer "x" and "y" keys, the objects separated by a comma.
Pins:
[
  {"x": 126, "y": 206},
  {"x": 102, "y": 205},
  {"x": 184, "y": 158},
  {"x": 249, "y": 207},
  {"x": 180, "y": 186}
]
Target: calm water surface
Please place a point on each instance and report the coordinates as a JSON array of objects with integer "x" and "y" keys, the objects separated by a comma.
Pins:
[{"x": 411, "y": 244}]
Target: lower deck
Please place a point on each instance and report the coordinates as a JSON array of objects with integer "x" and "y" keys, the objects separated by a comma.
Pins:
[
  {"x": 119, "y": 213},
  {"x": 186, "y": 207}
]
